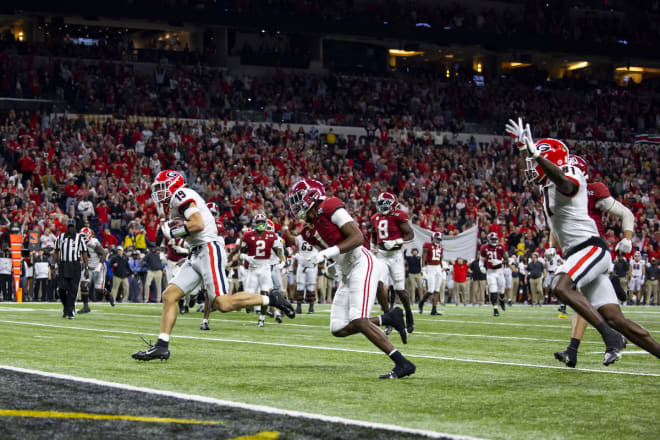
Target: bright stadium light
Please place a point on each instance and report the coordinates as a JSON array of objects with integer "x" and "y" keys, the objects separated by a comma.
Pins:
[{"x": 578, "y": 65}]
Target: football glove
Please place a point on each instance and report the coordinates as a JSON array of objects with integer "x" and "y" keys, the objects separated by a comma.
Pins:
[
  {"x": 326, "y": 254},
  {"x": 624, "y": 246},
  {"x": 389, "y": 244},
  {"x": 167, "y": 233}
]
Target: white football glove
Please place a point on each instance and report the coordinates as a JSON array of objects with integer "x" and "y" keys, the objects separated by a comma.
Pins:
[
  {"x": 495, "y": 262},
  {"x": 246, "y": 257},
  {"x": 389, "y": 244},
  {"x": 624, "y": 246},
  {"x": 326, "y": 254},
  {"x": 166, "y": 231},
  {"x": 523, "y": 136}
]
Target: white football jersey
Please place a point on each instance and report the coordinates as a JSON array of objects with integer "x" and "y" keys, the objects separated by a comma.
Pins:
[
  {"x": 636, "y": 267},
  {"x": 306, "y": 252},
  {"x": 568, "y": 216},
  {"x": 552, "y": 264},
  {"x": 179, "y": 203},
  {"x": 93, "y": 258}
]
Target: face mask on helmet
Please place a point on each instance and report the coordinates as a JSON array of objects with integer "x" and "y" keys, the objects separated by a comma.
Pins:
[
  {"x": 261, "y": 225},
  {"x": 492, "y": 239}
]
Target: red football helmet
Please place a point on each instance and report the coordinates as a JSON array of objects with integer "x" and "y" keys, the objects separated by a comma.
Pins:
[
  {"x": 580, "y": 163},
  {"x": 437, "y": 238},
  {"x": 87, "y": 234},
  {"x": 552, "y": 149},
  {"x": 167, "y": 183},
  {"x": 259, "y": 221},
  {"x": 385, "y": 203},
  {"x": 270, "y": 226},
  {"x": 213, "y": 208},
  {"x": 493, "y": 239},
  {"x": 303, "y": 195}
]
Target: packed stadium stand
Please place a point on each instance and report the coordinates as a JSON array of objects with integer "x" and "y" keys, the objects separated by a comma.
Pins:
[{"x": 90, "y": 114}]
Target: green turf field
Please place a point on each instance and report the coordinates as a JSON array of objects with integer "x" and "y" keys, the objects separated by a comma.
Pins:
[{"x": 476, "y": 375}]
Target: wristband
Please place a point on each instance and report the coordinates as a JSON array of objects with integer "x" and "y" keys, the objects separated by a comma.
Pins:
[{"x": 179, "y": 231}]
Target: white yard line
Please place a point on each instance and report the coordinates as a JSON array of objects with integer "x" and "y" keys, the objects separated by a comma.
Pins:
[
  {"x": 247, "y": 406},
  {"x": 349, "y": 350}
]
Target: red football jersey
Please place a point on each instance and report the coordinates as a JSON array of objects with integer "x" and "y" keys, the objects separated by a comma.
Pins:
[
  {"x": 259, "y": 246},
  {"x": 595, "y": 192},
  {"x": 386, "y": 227},
  {"x": 433, "y": 254},
  {"x": 323, "y": 233},
  {"x": 172, "y": 254},
  {"x": 492, "y": 253}
]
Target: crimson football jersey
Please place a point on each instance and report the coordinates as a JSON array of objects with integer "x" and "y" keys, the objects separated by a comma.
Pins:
[
  {"x": 172, "y": 254},
  {"x": 490, "y": 253},
  {"x": 386, "y": 227},
  {"x": 261, "y": 245},
  {"x": 323, "y": 233},
  {"x": 595, "y": 192},
  {"x": 433, "y": 254}
]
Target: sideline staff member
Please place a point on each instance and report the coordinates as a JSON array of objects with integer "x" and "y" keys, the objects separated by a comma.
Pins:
[{"x": 69, "y": 249}]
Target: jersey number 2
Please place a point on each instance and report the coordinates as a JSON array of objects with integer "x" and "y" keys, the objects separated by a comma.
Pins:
[{"x": 261, "y": 248}]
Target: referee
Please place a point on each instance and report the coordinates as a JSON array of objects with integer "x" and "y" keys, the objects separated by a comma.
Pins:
[{"x": 69, "y": 249}]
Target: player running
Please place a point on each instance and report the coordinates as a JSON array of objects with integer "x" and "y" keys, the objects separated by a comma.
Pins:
[
  {"x": 581, "y": 281},
  {"x": 492, "y": 257},
  {"x": 96, "y": 263},
  {"x": 191, "y": 220},
  {"x": 390, "y": 230},
  {"x": 332, "y": 230},
  {"x": 432, "y": 253},
  {"x": 600, "y": 202}
]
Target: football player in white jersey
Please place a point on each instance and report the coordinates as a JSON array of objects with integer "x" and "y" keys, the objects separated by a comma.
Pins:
[
  {"x": 551, "y": 261},
  {"x": 192, "y": 220},
  {"x": 96, "y": 261},
  {"x": 582, "y": 281},
  {"x": 636, "y": 273}
]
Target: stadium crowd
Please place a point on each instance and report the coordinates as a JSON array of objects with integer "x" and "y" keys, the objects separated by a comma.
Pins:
[{"x": 100, "y": 174}]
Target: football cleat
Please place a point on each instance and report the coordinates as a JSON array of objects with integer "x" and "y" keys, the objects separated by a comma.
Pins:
[
  {"x": 502, "y": 305},
  {"x": 410, "y": 325},
  {"x": 421, "y": 307},
  {"x": 278, "y": 301},
  {"x": 495, "y": 312},
  {"x": 568, "y": 357},
  {"x": 396, "y": 316},
  {"x": 153, "y": 352},
  {"x": 311, "y": 309},
  {"x": 278, "y": 318},
  {"x": 388, "y": 330},
  {"x": 204, "y": 326},
  {"x": 261, "y": 323},
  {"x": 270, "y": 312},
  {"x": 400, "y": 371},
  {"x": 299, "y": 309},
  {"x": 85, "y": 309},
  {"x": 613, "y": 353}
]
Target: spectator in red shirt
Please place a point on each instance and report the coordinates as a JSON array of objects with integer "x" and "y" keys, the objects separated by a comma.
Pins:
[
  {"x": 460, "y": 281},
  {"x": 109, "y": 240}
]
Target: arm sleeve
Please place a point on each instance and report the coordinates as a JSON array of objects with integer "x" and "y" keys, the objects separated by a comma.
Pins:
[
  {"x": 340, "y": 217},
  {"x": 616, "y": 208}
]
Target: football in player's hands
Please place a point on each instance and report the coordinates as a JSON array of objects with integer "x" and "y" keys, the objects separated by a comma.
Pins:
[{"x": 175, "y": 222}]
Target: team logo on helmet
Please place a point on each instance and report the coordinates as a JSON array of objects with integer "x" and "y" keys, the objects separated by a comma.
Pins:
[
  {"x": 552, "y": 149},
  {"x": 385, "y": 203},
  {"x": 303, "y": 195}
]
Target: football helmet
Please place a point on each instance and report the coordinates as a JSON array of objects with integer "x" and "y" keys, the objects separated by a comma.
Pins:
[
  {"x": 167, "y": 182},
  {"x": 87, "y": 234},
  {"x": 580, "y": 163},
  {"x": 550, "y": 253},
  {"x": 259, "y": 221},
  {"x": 385, "y": 203},
  {"x": 213, "y": 208},
  {"x": 493, "y": 239},
  {"x": 270, "y": 226},
  {"x": 303, "y": 195},
  {"x": 220, "y": 226},
  {"x": 552, "y": 149},
  {"x": 436, "y": 238}
]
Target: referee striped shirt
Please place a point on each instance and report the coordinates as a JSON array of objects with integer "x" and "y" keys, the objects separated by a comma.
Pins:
[{"x": 70, "y": 248}]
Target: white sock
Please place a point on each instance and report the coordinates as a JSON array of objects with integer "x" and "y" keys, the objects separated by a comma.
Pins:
[
  {"x": 380, "y": 320},
  {"x": 265, "y": 300},
  {"x": 164, "y": 337},
  {"x": 262, "y": 317},
  {"x": 205, "y": 321}
]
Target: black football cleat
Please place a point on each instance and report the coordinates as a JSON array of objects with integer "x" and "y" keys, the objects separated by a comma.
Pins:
[
  {"x": 204, "y": 326},
  {"x": 299, "y": 309},
  {"x": 400, "y": 371},
  {"x": 388, "y": 330},
  {"x": 434, "y": 311},
  {"x": 502, "y": 305},
  {"x": 410, "y": 324},
  {"x": 85, "y": 309},
  {"x": 153, "y": 352},
  {"x": 613, "y": 352},
  {"x": 278, "y": 301},
  {"x": 396, "y": 316},
  {"x": 311, "y": 309},
  {"x": 495, "y": 312},
  {"x": 278, "y": 318},
  {"x": 270, "y": 312},
  {"x": 568, "y": 357},
  {"x": 421, "y": 307}
]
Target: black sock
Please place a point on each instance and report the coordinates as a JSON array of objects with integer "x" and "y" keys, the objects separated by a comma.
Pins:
[
  {"x": 161, "y": 343},
  {"x": 397, "y": 357},
  {"x": 85, "y": 299},
  {"x": 575, "y": 343},
  {"x": 604, "y": 329}
]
